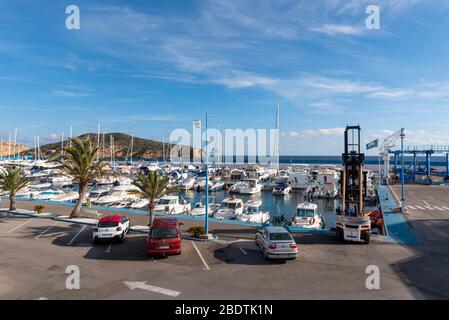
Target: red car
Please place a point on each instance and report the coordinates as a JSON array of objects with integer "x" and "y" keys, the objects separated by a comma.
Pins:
[{"x": 164, "y": 237}]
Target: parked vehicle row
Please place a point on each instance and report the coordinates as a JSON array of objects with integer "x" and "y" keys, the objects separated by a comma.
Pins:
[{"x": 164, "y": 237}]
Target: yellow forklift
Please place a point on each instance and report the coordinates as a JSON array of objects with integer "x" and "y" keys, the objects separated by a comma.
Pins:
[{"x": 352, "y": 224}]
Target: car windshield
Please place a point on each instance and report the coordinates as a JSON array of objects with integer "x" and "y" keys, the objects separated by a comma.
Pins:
[
  {"x": 280, "y": 236},
  {"x": 164, "y": 233},
  {"x": 228, "y": 205},
  {"x": 107, "y": 224},
  {"x": 307, "y": 213}
]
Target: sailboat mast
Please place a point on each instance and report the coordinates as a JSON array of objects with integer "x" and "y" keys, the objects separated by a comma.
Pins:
[
  {"x": 15, "y": 142},
  {"x": 70, "y": 141},
  {"x": 62, "y": 143},
  {"x": 98, "y": 138},
  {"x": 132, "y": 144},
  {"x": 163, "y": 151},
  {"x": 112, "y": 151},
  {"x": 276, "y": 150},
  {"x": 9, "y": 146}
]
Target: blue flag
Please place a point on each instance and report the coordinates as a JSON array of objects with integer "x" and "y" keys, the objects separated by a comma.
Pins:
[{"x": 372, "y": 144}]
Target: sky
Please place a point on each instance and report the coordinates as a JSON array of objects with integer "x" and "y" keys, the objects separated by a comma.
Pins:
[{"x": 149, "y": 67}]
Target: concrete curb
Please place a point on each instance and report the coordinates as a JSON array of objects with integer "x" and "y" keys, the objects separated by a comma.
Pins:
[
  {"x": 31, "y": 214},
  {"x": 187, "y": 237}
]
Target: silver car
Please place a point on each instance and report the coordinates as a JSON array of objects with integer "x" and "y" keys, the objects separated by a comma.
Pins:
[{"x": 276, "y": 243}]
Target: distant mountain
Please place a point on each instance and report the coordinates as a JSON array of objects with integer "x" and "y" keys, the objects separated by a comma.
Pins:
[{"x": 142, "y": 148}]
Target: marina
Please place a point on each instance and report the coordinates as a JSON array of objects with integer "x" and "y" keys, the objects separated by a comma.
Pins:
[{"x": 223, "y": 155}]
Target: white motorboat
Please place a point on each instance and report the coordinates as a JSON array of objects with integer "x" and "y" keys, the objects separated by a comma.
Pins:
[
  {"x": 299, "y": 180},
  {"x": 188, "y": 183},
  {"x": 117, "y": 195},
  {"x": 281, "y": 188},
  {"x": 199, "y": 208},
  {"x": 216, "y": 186},
  {"x": 70, "y": 196},
  {"x": 307, "y": 216},
  {"x": 328, "y": 181},
  {"x": 229, "y": 208},
  {"x": 236, "y": 187},
  {"x": 253, "y": 187},
  {"x": 252, "y": 212},
  {"x": 172, "y": 205},
  {"x": 49, "y": 194},
  {"x": 140, "y": 204},
  {"x": 97, "y": 193}
]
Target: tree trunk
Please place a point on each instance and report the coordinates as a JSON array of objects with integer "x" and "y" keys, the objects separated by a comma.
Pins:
[
  {"x": 151, "y": 213},
  {"x": 12, "y": 203},
  {"x": 82, "y": 194}
]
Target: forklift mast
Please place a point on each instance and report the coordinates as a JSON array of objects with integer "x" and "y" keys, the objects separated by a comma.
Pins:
[{"x": 353, "y": 181}]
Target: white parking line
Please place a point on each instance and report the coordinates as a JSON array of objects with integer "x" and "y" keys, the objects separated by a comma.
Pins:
[
  {"x": 420, "y": 208},
  {"x": 73, "y": 239},
  {"x": 108, "y": 250},
  {"x": 438, "y": 208},
  {"x": 45, "y": 231},
  {"x": 17, "y": 227},
  {"x": 430, "y": 208},
  {"x": 427, "y": 204},
  {"x": 445, "y": 208},
  {"x": 411, "y": 207},
  {"x": 243, "y": 251},
  {"x": 144, "y": 286},
  {"x": 201, "y": 256}
]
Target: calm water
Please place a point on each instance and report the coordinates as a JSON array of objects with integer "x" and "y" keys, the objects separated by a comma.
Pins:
[{"x": 275, "y": 205}]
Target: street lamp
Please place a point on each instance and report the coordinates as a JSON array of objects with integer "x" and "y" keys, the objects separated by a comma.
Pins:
[
  {"x": 197, "y": 124},
  {"x": 402, "y": 172}
]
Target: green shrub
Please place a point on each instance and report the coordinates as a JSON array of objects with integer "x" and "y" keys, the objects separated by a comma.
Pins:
[
  {"x": 197, "y": 232},
  {"x": 39, "y": 209}
]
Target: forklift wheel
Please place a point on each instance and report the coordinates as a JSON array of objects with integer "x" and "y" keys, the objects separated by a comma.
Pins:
[
  {"x": 339, "y": 234},
  {"x": 366, "y": 237}
]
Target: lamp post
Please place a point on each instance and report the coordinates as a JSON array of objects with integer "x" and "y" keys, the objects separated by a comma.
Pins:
[
  {"x": 402, "y": 172},
  {"x": 197, "y": 124},
  {"x": 206, "y": 220}
]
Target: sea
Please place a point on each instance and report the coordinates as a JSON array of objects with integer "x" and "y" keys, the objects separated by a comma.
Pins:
[{"x": 278, "y": 206}]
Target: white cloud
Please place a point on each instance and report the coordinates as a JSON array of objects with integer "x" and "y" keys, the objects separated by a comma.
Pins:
[
  {"x": 333, "y": 29},
  {"x": 65, "y": 93}
]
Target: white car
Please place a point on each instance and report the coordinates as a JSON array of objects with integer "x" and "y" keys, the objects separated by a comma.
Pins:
[
  {"x": 276, "y": 243},
  {"x": 111, "y": 228}
]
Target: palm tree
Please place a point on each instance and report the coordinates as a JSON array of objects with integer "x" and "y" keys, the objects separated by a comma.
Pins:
[
  {"x": 151, "y": 187},
  {"x": 12, "y": 181},
  {"x": 79, "y": 161}
]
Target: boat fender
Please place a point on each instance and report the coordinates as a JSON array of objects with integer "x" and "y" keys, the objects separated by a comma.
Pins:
[{"x": 312, "y": 221}]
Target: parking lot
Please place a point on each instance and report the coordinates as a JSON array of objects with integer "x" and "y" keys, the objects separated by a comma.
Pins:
[{"x": 36, "y": 252}]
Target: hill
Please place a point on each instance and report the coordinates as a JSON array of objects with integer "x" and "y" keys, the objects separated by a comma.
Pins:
[{"x": 142, "y": 148}]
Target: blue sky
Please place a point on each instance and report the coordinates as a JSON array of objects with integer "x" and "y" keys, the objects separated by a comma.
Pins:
[{"x": 148, "y": 67}]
